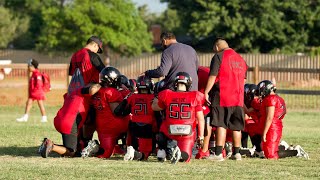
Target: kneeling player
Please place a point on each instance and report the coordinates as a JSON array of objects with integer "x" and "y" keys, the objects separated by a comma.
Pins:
[
  {"x": 142, "y": 121},
  {"x": 273, "y": 110},
  {"x": 69, "y": 122},
  {"x": 178, "y": 130}
]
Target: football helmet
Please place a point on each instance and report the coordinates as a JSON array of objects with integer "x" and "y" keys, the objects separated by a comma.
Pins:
[
  {"x": 133, "y": 85},
  {"x": 265, "y": 87},
  {"x": 183, "y": 77},
  {"x": 249, "y": 91},
  {"x": 144, "y": 82},
  {"x": 122, "y": 80},
  {"x": 109, "y": 76}
]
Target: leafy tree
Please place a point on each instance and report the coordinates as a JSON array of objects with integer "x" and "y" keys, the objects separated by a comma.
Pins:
[
  {"x": 117, "y": 22},
  {"x": 8, "y": 27},
  {"x": 250, "y": 25}
]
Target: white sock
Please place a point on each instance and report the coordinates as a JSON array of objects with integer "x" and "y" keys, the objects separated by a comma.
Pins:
[
  {"x": 25, "y": 116},
  {"x": 44, "y": 118}
]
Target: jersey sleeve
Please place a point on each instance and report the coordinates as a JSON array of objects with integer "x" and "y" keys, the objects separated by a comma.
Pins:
[
  {"x": 215, "y": 64},
  {"x": 200, "y": 101},
  {"x": 272, "y": 101}
]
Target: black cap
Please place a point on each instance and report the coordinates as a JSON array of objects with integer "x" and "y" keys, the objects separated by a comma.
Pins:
[{"x": 97, "y": 40}]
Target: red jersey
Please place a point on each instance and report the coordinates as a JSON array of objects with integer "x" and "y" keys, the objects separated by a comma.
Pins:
[
  {"x": 256, "y": 105},
  {"x": 81, "y": 60},
  {"x": 203, "y": 75},
  {"x": 180, "y": 108},
  {"x": 279, "y": 112},
  {"x": 106, "y": 121},
  {"x": 141, "y": 108},
  {"x": 231, "y": 79},
  {"x": 73, "y": 104},
  {"x": 36, "y": 91}
]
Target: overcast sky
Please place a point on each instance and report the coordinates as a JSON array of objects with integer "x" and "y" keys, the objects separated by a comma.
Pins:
[{"x": 154, "y": 6}]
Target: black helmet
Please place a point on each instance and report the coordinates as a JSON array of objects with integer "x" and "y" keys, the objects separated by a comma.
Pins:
[
  {"x": 265, "y": 87},
  {"x": 122, "y": 80},
  {"x": 109, "y": 76},
  {"x": 158, "y": 86},
  {"x": 132, "y": 85},
  {"x": 145, "y": 82},
  {"x": 249, "y": 91},
  {"x": 183, "y": 77}
]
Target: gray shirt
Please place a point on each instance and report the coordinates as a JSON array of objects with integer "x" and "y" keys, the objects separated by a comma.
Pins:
[{"x": 176, "y": 58}]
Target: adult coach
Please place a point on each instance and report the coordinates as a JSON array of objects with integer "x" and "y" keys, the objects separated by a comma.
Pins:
[
  {"x": 86, "y": 64},
  {"x": 176, "y": 57},
  {"x": 226, "y": 83}
]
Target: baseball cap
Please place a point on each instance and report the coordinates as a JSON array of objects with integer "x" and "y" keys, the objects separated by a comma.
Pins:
[{"x": 97, "y": 40}]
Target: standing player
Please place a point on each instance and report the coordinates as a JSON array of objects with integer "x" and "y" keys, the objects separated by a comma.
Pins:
[
  {"x": 36, "y": 91},
  {"x": 142, "y": 120},
  {"x": 273, "y": 110},
  {"x": 183, "y": 108}
]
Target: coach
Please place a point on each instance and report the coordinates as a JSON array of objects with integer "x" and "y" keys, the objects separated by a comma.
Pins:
[
  {"x": 176, "y": 57},
  {"x": 226, "y": 83}
]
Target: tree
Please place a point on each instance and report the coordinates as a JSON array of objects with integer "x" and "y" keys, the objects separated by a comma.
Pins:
[
  {"x": 250, "y": 25},
  {"x": 117, "y": 22},
  {"x": 8, "y": 27}
]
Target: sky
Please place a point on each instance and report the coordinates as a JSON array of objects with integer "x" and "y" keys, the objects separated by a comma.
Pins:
[{"x": 154, "y": 6}]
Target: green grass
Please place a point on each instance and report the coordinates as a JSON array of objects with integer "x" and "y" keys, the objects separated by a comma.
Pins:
[{"x": 19, "y": 143}]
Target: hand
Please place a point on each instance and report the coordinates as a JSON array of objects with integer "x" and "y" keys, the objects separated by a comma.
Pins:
[
  {"x": 264, "y": 137},
  {"x": 206, "y": 95},
  {"x": 200, "y": 142},
  {"x": 142, "y": 74}
]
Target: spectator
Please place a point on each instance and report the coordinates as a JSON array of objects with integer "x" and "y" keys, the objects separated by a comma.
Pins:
[
  {"x": 36, "y": 91},
  {"x": 226, "y": 83},
  {"x": 176, "y": 57}
]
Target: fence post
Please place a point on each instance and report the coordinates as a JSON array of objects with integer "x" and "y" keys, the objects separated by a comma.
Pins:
[
  {"x": 67, "y": 71},
  {"x": 256, "y": 74}
]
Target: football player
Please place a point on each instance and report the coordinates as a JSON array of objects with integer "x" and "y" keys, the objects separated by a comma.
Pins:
[
  {"x": 69, "y": 122},
  {"x": 109, "y": 127},
  {"x": 178, "y": 130},
  {"x": 273, "y": 110},
  {"x": 142, "y": 123}
]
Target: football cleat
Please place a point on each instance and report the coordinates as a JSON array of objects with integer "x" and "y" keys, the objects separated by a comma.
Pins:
[
  {"x": 202, "y": 155},
  {"x": 259, "y": 154},
  {"x": 130, "y": 154},
  {"x": 45, "y": 148},
  {"x": 91, "y": 149},
  {"x": 236, "y": 157},
  {"x": 161, "y": 155},
  {"x": 301, "y": 152},
  {"x": 176, "y": 155}
]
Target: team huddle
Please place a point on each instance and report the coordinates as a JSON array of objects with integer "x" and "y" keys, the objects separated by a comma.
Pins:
[{"x": 175, "y": 122}]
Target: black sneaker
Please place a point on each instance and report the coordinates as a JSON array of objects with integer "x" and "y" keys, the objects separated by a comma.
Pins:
[{"x": 45, "y": 148}]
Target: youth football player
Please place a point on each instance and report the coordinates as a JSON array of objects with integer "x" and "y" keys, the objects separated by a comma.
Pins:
[{"x": 178, "y": 129}]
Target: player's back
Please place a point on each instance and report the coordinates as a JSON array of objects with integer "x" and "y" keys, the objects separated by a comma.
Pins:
[{"x": 141, "y": 108}]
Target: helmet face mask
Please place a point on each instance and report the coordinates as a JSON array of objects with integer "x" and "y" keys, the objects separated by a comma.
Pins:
[
  {"x": 184, "y": 78},
  {"x": 109, "y": 76},
  {"x": 144, "y": 82},
  {"x": 250, "y": 90},
  {"x": 265, "y": 87}
]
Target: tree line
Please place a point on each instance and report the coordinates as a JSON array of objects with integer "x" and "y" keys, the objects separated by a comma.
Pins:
[{"x": 264, "y": 26}]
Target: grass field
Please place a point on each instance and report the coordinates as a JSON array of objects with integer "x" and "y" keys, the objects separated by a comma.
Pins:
[{"x": 19, "y": 159}]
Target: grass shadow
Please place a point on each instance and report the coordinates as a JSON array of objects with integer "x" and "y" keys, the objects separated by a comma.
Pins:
[{"x": 21, "y": 151}]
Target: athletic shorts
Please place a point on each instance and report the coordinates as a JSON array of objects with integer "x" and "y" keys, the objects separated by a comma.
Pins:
[
  {"x": 228, "y": 117},
  {"x": 70, "y": 141}
]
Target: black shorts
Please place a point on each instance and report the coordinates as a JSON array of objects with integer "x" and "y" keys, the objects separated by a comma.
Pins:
[
  {"x": 140, "y": 130},
  {"x": 70, "y": 141},
  {"x": 228, "y": 117}
]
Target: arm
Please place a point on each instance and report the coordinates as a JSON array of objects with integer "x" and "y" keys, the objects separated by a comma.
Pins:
[
  {"x": 200, "y": 118},
  {"x": 123, "y": 109},
  {"x": 155, "y": 106},
  {"x": 269, "y": 118},
  {"x": 163, "y": 69},
  {"x": 96, "y": 61},
  {"x": 209, "y": 86},
  {"x": 90, "y": 90}
]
